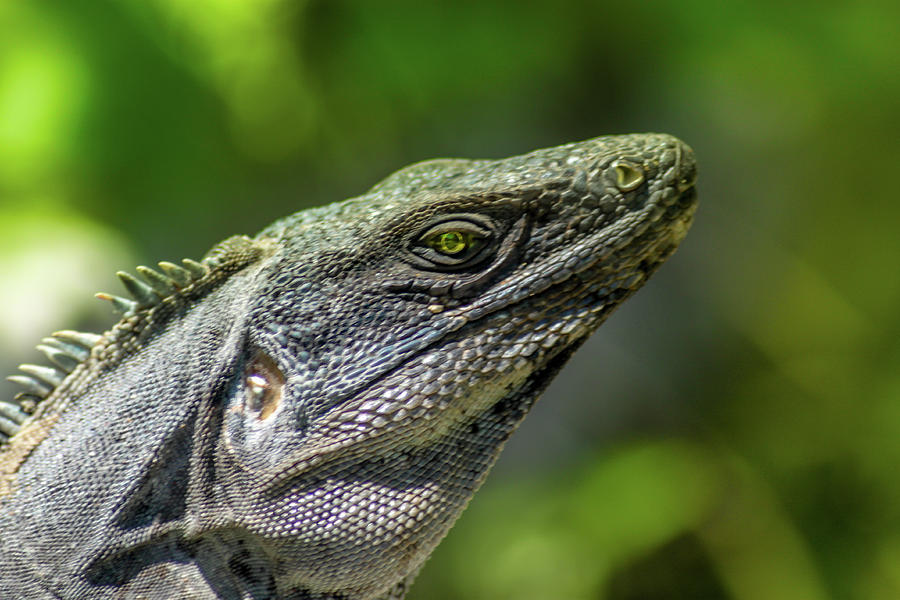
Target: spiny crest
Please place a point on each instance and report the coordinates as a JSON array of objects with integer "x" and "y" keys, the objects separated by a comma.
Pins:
[
  {"x": 66, "y": 350},
  {"x": 155, "y": 285}
]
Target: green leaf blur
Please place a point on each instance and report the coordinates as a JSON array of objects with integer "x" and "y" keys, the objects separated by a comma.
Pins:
[{"x": 733, "y": 432}]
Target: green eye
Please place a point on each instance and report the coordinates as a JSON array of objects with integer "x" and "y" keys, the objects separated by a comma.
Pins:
[
  {"x": 450, "y": 242},
  {"x": 454, "y": 243}
]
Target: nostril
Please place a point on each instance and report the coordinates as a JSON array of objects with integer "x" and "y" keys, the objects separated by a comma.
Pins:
[{"x": 628, "y": 175}]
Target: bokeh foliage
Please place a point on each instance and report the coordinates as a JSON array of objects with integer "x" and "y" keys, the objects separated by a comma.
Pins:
[{"x": 733, "y": 432}]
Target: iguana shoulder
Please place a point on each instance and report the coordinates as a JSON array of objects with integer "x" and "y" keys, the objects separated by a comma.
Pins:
[{"x": 78, "y": 359}]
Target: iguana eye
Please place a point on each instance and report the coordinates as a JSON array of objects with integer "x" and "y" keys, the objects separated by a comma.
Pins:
[
  {"x": 452, "y": 243},
  {"x": 263, "y": 384},
  {"x": 455, "y": 242}
]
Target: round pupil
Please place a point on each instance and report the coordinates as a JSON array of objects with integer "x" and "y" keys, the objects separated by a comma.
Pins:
[{"x": 452, "y": 242}]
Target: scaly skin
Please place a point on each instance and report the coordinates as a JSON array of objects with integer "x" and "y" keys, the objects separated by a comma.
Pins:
[{"x": 306, "y": 413}]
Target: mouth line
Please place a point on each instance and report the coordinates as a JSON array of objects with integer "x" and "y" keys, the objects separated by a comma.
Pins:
[
  {"x": 656, "y": 253},
  {"x": 688, "y": 193},
  {"x": 520, "y": 400},
  {"x": 534, "y": 383}
]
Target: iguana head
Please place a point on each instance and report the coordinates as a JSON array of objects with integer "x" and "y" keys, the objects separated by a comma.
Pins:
[
  {"x": 305, "y": 414},
  {"x": 393, "y": 342}
]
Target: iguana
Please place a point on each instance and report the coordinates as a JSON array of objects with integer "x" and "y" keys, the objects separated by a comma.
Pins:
[{"x": 305, "y": 413}]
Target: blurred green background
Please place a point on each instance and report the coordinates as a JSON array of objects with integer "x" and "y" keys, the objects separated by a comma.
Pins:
[{"x": 733, "y": 432}]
